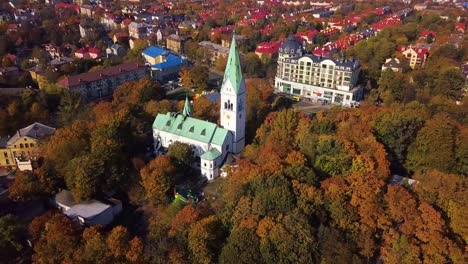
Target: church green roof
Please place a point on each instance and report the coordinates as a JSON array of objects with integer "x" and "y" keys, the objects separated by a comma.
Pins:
[
  {"x": 187, "y": 108},
  {"x": 211, "y": 154},
  {"x": 233, "y": 70},
  {"x": 191, "y": 128}
]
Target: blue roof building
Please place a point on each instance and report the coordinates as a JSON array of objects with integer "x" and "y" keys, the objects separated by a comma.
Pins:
[{"x": 165, "y": 65}]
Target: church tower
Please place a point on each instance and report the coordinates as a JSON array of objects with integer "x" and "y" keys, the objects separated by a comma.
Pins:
[{"x": 233, "y": 99}]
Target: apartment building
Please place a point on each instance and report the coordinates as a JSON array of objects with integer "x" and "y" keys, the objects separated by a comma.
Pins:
[
  {"x": 100, "y": 84},
  {"x": 315, "y": 77}
]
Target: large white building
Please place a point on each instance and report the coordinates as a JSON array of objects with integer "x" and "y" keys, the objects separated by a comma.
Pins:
[
  {"x": 210, "y": 142},
  {"x": 315, "y": 77}
]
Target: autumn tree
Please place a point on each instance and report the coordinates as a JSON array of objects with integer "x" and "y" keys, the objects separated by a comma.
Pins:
[
  {"x": 204, "y": 240},
  {"x": 157, "y": 179},
  {"x": 195, "y": 78},
  {"x": 55, "y": 238}
]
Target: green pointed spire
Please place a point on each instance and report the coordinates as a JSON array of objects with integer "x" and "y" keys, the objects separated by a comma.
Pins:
[
  {"x": 187, "y": 108},
  {"x": 233, "y": 70}
]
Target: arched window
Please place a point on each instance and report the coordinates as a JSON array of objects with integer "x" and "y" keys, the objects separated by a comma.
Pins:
[
  {"x": 225, "y": 105},
  {"x": 21, "y": 145},
  {"x": 232, "y": 107},
  {"x": 32, "y": 145},
  {"x": 26, "y": 145}
]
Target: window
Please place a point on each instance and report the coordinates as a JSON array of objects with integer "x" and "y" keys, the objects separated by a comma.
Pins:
[
  {"x": 14, "y": 153},
  {"x": 203, "y": 132},
  {"x": 5, "y": 154},
  {"x": 211, "y": 166},
  {"x": 21, "y": 145},
  {"x": 26, "y": 145},
  {"x": 7, "y": 161},
  {"x": 204, "y": 164},
  {"x": 179, "y": 126},
  {"x": 192, "y": 129},
  {"x": 32, "y": 145}
]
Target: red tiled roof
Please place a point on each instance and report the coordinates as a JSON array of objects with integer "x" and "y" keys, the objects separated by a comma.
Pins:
[
  {"x": 268, "y": 47},
  {"x": 426, "y": 33},
  {"x": 71, "y": 81}
]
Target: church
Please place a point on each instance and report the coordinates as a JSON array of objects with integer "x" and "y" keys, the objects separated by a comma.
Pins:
[{"x": 211, "y": 143}]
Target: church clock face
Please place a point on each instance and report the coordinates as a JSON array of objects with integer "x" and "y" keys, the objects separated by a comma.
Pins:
[{"x": 228, "y": 116}]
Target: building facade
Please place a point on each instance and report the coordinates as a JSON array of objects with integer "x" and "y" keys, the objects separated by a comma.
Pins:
[
  {"x": 176, "y": 43},
  {"x": 211, "y": 143},
  {"x": 416, "y": 55},
  {"x": 100, "y": 84},
  {"x": 23, "y": 146},
  {"x": 315, "y": 77}
]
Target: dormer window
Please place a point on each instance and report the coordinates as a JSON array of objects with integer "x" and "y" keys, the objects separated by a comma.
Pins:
[
  {"x": 168, "y": 123},
  {"x": 179, "y": 126},
  {"x": 203, "y": 133},
  {"x": 192, "y": 129}
]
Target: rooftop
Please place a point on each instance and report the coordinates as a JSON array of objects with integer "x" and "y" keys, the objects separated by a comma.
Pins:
[
  {"x": 191, "y": 128},
  {"x": 211, "y": 154},
  {"x": 36, "y": 131},
  {"x": 70, "y": 81}
]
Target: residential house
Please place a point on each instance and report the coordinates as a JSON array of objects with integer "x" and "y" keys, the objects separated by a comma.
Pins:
[
  {"x": 23, "y": 146},
  {"x": 426, "y": 33},
  {"x": 165, "y": 65},
  {"x": 100, "y": 84},
  {"x": 9, "y": 75},
  {"x": 137, "y": 30},
  {"x": 88, "y": 213},
  {"x": 88, "y": 53},
  {"x": 176, "y": 43},
  {"x": 116, "y": 50},
  {"x": 267, "y": 50},
  {"x": 416, "y": 55},
  {"x": 393, "y": 64},
  {"x": 213, "y": 51},
  {"x": 460, "y": 27}
]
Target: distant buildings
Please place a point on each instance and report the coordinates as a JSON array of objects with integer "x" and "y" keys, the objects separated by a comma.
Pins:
[
  {"x": 137, "y": 30},
  {"x": 213, "y": 51},
  {"x": 315, "y": 77},
  {"x": 394, "y": 64},
  {"x": 22, "y": 149},
  {"x": 165, "y": 65},
  {"x": 176, "y": 43},
  {"x": 100, "y": 84}
]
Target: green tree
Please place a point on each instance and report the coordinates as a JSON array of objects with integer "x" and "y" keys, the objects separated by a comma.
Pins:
[
  {"x": 242, "y": 247},
  {"x": 435, "y": 146},
  {"x": 85, "y": 176},
  {"x": 182, "y": 154},
  {"x": 12, "y": 238}
]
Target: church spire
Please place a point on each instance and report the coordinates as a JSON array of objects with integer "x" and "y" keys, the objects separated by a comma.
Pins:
[
  {"x": 233, "y": 70},
  {"x": 187, "y": 108}
]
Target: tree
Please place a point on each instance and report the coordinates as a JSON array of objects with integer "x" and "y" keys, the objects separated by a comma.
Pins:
[
  {"x": 220, "y": 63},
  {"x": 204, "y": 109},
  {"x": 242, "y": 247},
  {"x": 450, "y": 83},
  {"x": 252, "y": 66},
  {"x": 157, "y": 179},
  {"x": 182, "y": 154},
  {"x": 434, "y": 146},
  {"x": 12, "y": 238},
  {"x": 85, "y": 177},
  {"x": 195, "y": 78},
  {"x": 205, "y": 239},
  {"x": 55, "y": 239},
  {"x": 25, "y": 187}
]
